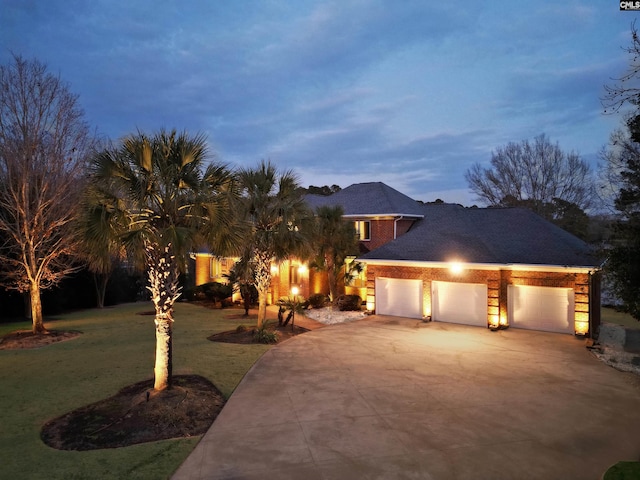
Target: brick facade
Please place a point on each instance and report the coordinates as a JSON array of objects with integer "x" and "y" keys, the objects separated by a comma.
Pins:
[
  {"x": 497, "y": 282},
  {"x": 383, "y": 231}
]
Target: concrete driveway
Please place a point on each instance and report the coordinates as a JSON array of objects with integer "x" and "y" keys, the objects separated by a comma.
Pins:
[{"x": 393, "y": 398}]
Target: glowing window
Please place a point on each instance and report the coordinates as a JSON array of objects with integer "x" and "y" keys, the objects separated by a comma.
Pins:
[{"x": 363, "y": 229}]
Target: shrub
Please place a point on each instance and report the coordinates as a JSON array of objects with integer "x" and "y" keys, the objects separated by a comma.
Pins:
[
  {"x": 265, "y": 335},
  {"x": 349, "y": 303},
  {"x": 216, "y": 291},
  {"x": 317, "y": 300}
]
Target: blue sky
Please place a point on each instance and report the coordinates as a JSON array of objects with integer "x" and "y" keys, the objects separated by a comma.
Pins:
[{"x": 410, "y": 93}]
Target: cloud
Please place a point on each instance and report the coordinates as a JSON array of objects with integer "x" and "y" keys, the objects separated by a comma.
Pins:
[{"x": 410, "y": 93}]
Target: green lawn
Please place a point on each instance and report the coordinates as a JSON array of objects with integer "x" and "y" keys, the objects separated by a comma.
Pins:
[
  {"x": 115, "y": 350},
  {"x": 610, "y": 315}
]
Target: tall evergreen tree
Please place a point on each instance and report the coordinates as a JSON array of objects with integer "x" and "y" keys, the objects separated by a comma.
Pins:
[{"x": 623, "y": 262}]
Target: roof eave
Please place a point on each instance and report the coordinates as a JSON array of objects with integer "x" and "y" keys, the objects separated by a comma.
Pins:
[
  {"x": 485, "y": 266},
  {"x": 375, "y": 215}
]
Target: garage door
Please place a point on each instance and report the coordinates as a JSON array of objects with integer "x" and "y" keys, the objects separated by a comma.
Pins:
[
  {"x": 541, "y": 308},
  {"x": 399, "y": 297},
  {"x": 464, "y": 303}
]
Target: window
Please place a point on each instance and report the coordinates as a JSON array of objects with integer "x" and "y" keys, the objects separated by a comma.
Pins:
[
  {"x": 294, "y": 277},
  {"x": 214, "y": 270},
  {"x": 363, "y": 229}
]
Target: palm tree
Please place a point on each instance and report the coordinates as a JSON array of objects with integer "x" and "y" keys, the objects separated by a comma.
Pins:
[
  {"x": 334, "y": 241},
  {"x": 241, "y": 278},
  {"x": 280, "y": 223},
  {"x": 101, "y": 224},
  {"x": 170, "y": 205}
]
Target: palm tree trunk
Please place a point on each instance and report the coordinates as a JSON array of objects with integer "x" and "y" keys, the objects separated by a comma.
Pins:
[
  {"x": 163, "y": 285},
  {"x": 262, "y": 283},
  {"x": 331, "y": 276},
  {"x": 163, "y": 368},
  {"x": 100, "y": 281}
]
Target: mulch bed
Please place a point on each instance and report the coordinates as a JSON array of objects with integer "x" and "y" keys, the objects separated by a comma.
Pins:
[
  {"x": 138, "y": 414},
  {"x": 23, "y": 339},
  {"x": 246, "y": 335}
]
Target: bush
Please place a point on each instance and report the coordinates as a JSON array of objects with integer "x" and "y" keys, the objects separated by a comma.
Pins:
[
  {"x": 265, "y": 335},
  {"x": 317, "y": 300},
  {"x": 349, "y": 303},
  {"x": 216, "y": 291}
]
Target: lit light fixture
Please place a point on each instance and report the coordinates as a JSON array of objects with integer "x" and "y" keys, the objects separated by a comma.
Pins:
[
  {"x": 456, "y": 268},
  {"x": 295, "y": 291},
  {"x": 581, "y": 324},
  {"x": 302, "y": 268},
  {"x": 274, "y": 269}
]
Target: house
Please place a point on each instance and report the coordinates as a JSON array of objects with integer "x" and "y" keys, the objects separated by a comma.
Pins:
[
  {"x": 380, "y": 213},
  {"x": 491, "y": 267}
]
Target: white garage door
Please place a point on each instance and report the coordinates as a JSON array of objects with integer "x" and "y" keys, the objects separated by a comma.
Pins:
[
  {"x": 541, "y": 308},
  {"x": 464, "y": 303},
  {"x": 399, "y": 297}
]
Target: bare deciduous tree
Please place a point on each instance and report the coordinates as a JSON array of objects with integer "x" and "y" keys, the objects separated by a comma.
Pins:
[
  {"x": 44, "y": 140},
  {"x": 533, "y": 174},
  {"x": 626, "y": 89}
]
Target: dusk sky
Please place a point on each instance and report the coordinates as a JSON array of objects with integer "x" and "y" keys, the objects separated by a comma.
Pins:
[{"x": 409, "y": 93}]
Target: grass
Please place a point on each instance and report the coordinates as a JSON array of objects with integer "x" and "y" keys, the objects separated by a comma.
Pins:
[
  {"x": 115, "y": 350},
  {"x": 611, "y": 315},
  {"x": 623, "y": 471}
]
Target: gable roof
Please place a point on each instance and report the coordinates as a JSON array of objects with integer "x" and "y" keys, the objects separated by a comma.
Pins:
[
  {"x": 371, "y": 199},
  {"x": 488, "y": 236}
]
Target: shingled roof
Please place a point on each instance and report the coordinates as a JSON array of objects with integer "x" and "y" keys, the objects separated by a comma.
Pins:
[
  {"x": 369, "y": 200},
  {"x": 488, "y": 236}
]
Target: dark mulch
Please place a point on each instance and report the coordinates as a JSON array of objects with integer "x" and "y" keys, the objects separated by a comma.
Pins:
[
  {"x": 246, "y": 335},
  {"x": 138, "y": 414},
  {"x": 23, "y": 339}
]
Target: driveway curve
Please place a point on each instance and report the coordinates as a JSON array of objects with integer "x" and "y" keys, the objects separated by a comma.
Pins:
[{"x": 394, "y": 398}]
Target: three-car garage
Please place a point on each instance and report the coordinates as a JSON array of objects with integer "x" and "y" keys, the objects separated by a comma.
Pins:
[{"x": 530, "y": 307}]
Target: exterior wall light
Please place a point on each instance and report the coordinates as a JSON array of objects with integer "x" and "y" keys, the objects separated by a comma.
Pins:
[{"x": 456, "y": 268}]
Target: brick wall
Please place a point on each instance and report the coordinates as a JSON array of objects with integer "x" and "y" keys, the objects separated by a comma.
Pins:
[
  {"x": 382, "y": 231},
  {"x": 497, "y": 282}
]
